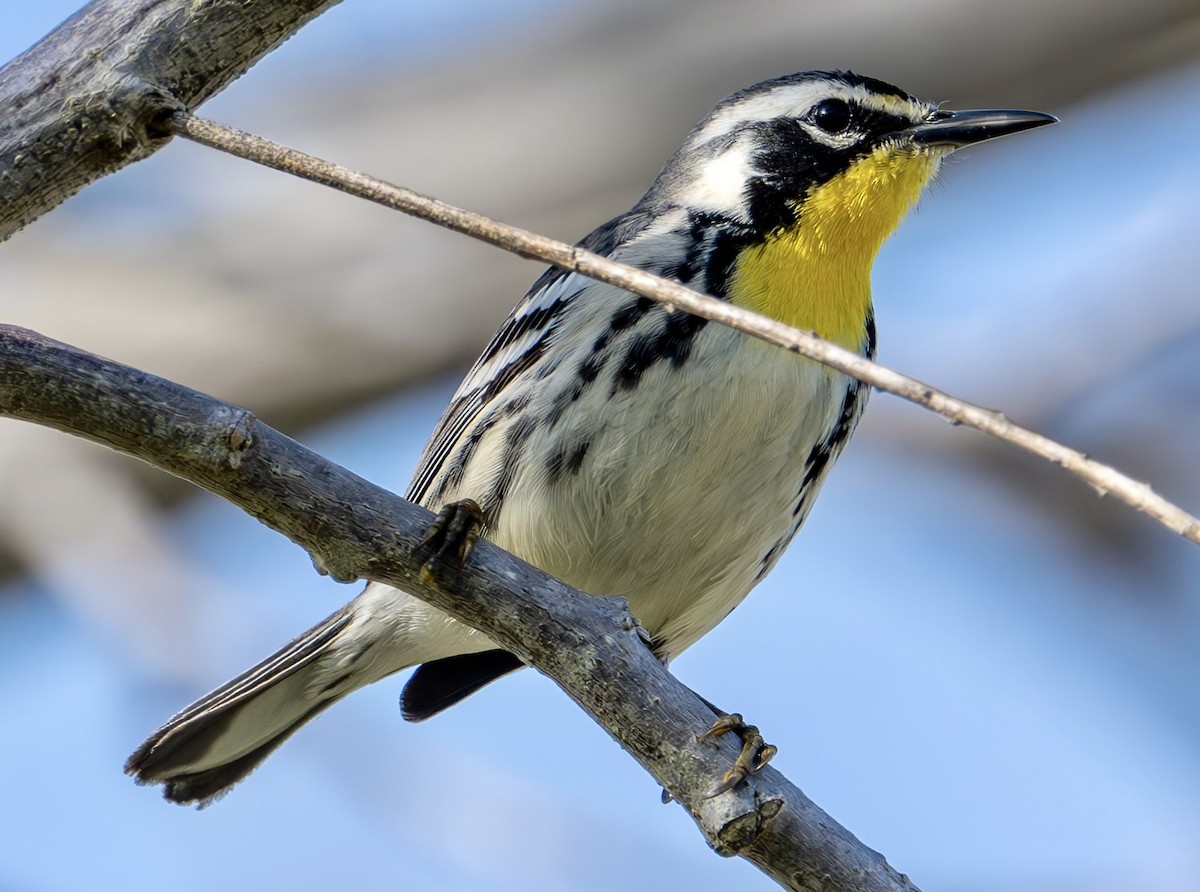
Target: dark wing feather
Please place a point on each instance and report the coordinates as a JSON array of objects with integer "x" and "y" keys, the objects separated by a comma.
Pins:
[{"x": 531, "y": 321}]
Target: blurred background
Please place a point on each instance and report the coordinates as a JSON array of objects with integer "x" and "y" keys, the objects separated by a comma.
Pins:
[{"x": 983, "y": 669}]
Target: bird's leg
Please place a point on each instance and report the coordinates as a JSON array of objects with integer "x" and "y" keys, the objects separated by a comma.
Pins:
[
  {"x": 451, "y": 537},
  {"x": 755, "y": 753}
]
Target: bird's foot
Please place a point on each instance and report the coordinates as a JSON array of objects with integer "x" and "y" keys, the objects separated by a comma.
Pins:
[
  {"x": 755, "y": 753},
  {"x": 451, "y": 537}
]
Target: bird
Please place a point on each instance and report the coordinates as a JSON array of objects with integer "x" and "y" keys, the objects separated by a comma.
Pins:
[{"x": 624, "y": 447}]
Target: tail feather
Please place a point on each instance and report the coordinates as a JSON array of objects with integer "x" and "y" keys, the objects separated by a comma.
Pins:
[
  {"x": 214, "y": 743},
  {"x": 206, "y": 786},
  {"x": 218, "y": 740}
]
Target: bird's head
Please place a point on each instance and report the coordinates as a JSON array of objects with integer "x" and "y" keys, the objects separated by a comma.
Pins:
[{"x": 810, "y": 173}]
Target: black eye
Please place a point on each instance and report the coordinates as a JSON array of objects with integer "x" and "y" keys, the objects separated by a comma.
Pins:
[{"x": 831, "y": 115}]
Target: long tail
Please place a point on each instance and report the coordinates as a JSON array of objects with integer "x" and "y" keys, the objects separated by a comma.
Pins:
[
  {"x": 214, "y": 743},
  {"x": 218, "y": 740}
]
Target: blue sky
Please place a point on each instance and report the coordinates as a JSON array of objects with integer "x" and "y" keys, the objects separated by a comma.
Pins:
[
  {"x": 377, "y": 28},
  {"x": 949, "y": 672}
]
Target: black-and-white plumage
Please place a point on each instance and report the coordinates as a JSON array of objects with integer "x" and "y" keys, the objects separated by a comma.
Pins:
[{"x": 622, "y": 447}]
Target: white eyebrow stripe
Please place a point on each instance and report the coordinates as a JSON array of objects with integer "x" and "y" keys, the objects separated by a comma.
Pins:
[{"x": 794, "y": 100}]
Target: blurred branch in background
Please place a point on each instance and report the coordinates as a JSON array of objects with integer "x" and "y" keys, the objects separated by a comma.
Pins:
[{"x": 81, "y": 103}]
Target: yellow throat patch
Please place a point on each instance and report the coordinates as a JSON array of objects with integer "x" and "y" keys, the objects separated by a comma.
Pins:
[{"x": 816, "y": 275}]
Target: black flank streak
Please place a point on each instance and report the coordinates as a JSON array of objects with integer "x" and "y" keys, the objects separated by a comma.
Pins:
[
  {"x": 872, "y": 340},
  {"x": 575, "y": 461},
  {"x": 587, "y": 372},
  {"x": 465, "y": 410},
  {"x": 831, "y": 445},
  {"x": 714, "y": 242},
  {"x": 700, "y": 225},
  {"x": 624, "y": 318},
  {"x": 639, "y": 357},
  {"x": 517, "y": 404},
  {"x": 768, "y": 559},
  {"x": 590, "y": 368},
  {"x": 851, "y": 407},
  {"x": 554, "y": 416},
  {"x": 561, "y": 402},
  {"x": 818, "y": 460},
  {"x": 703, "y": 225},
  {"x": 673, "y": 344},
  {"x": 564, "y": 462},
  {"x": 630, "y": 314}
]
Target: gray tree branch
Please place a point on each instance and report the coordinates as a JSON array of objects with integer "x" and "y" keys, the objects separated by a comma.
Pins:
[
  {"x": 86, "y": 99},
  {"x": 354, "y": 529}
]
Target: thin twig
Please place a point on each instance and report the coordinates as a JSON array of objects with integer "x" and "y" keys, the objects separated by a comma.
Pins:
[{"x": 1103, "y": 478}]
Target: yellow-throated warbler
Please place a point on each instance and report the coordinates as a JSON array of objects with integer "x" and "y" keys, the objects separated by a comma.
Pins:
[{"x": 626, "y": 449}]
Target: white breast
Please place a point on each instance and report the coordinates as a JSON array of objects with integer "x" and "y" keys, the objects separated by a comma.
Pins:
[{"x": 688, "y": 484}]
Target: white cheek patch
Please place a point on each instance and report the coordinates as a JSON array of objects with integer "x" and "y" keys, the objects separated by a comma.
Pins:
[{"x": 722, "y": 181}]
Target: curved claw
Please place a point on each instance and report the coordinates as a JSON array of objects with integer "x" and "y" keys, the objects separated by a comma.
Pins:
[
  {"x": 451, "y": 537},
  {"x": 755, "y": 753}
]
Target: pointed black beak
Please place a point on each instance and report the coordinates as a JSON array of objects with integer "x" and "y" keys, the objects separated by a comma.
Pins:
[{"x": 955, "y": 129}]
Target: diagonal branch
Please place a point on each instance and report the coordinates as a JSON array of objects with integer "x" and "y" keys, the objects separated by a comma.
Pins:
[
  {"x": 1105, "y": 479},
  {"x": 354, "y": 529}
]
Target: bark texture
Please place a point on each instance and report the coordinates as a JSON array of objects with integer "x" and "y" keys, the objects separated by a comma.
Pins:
[
  {"x": 353, "y": 529},
  {"x": 87, "y": 99}
]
